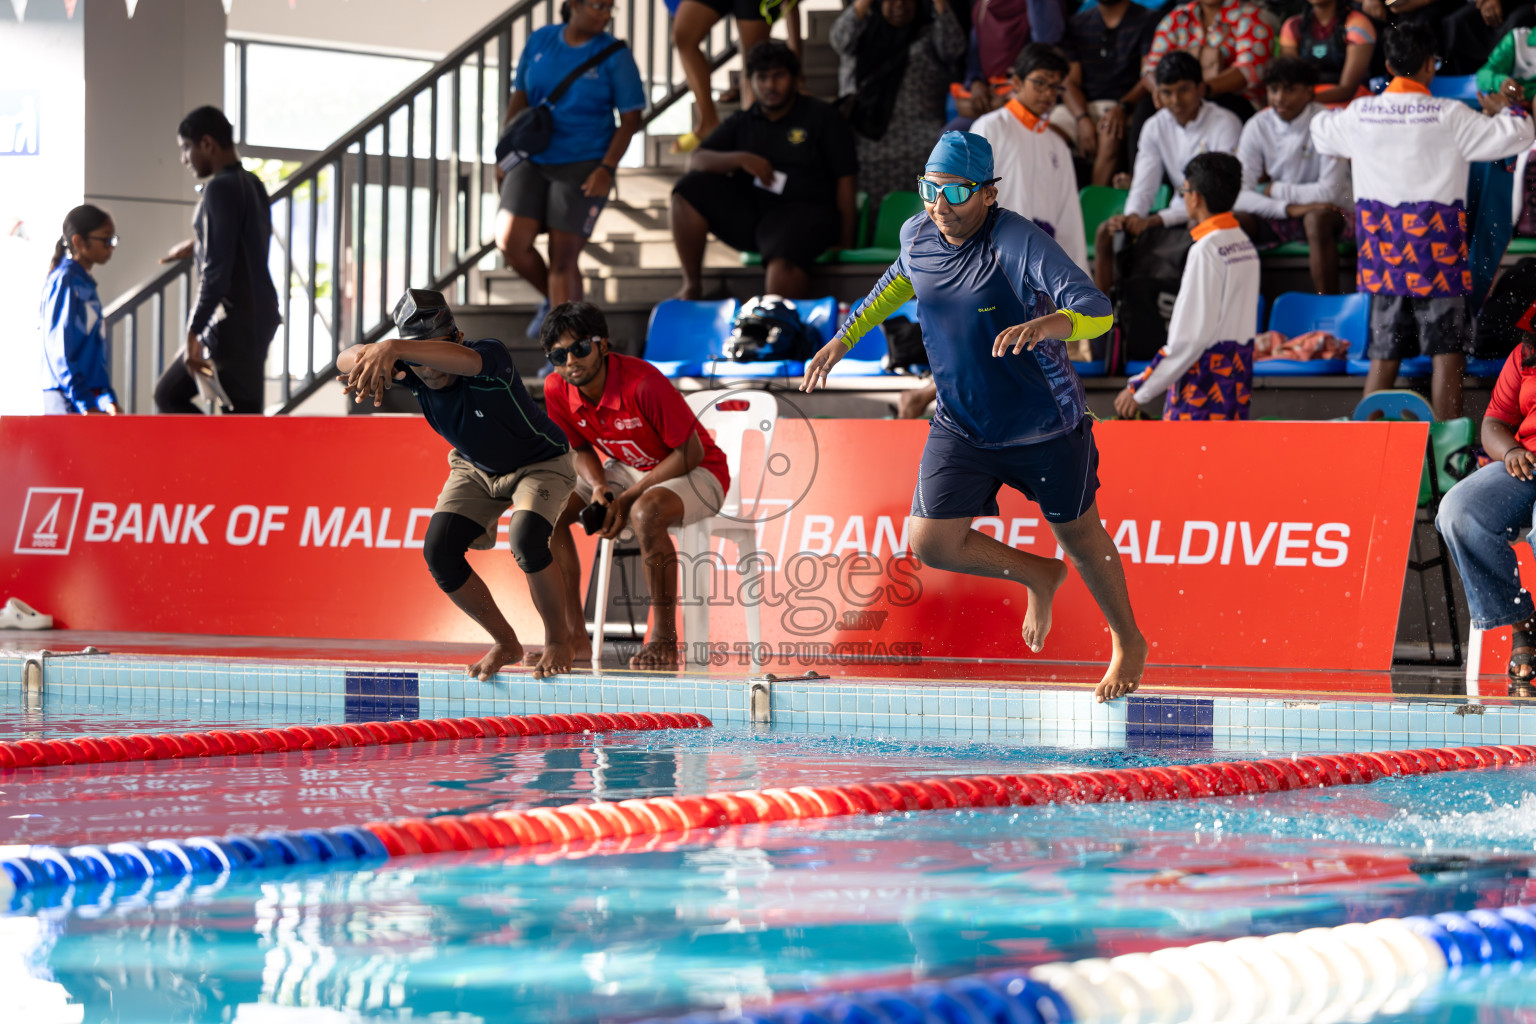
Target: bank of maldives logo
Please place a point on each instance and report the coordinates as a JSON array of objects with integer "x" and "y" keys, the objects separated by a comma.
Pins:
[{"x": 48, "y": 520}]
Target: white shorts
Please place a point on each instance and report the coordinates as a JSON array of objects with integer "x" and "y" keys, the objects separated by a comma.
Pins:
[{"x": 699, "y": 490}]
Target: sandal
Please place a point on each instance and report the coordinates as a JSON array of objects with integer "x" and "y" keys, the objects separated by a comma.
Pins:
[{"x": 1522, "y": 659}]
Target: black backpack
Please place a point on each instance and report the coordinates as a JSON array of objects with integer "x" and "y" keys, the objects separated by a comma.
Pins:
[{"x": 1496, "y": 335}]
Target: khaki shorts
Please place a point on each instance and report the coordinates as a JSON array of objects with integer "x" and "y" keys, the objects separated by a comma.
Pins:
[
  {"x": 541, "y": 487},
  {"x": 1062, "y": 120},
  {"x": 700, "y": 490}
]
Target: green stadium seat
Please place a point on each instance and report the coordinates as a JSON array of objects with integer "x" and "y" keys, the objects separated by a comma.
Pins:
[
  {"x": 895, "y": 210},
  {"x": 1100, "y": 202}
]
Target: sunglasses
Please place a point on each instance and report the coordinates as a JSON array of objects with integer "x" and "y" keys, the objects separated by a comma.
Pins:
[
  {"x": 955, "y": 195},
  {"x": 109, "y": 240},
  {"x": 578, "y": 349}
]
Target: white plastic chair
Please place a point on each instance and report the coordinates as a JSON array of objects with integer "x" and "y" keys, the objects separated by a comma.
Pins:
[{"x": 731, "y": 416}]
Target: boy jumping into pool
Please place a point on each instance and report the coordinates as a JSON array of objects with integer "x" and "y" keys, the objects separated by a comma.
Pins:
[
  {"x": 997, "y": 297},
  {"x": 506, "y": 452}
]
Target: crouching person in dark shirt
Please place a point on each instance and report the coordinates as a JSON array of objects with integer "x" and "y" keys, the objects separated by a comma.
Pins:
[{"x": 506, "y": 453}]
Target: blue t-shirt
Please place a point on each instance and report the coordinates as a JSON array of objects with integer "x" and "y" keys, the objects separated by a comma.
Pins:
[
  {"x": 584, "y": 116},
  {"x": 1007, "y": 273}
]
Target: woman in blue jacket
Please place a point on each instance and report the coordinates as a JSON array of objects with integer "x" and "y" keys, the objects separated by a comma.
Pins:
[{"x": 76, "y": 377}]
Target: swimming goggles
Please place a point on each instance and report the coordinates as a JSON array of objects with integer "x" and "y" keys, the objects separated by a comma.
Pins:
[{"x": 955, "y": 195}]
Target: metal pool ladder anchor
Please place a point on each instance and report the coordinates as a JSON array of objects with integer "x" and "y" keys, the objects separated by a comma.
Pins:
[
  {"x": 760, "y": 694},
  {"x": 32, "y": 667}
]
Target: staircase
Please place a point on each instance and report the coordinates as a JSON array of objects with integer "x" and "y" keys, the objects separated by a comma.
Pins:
[{"x": 408, "y": 199}]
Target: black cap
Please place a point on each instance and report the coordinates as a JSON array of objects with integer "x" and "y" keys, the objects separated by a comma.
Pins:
[{"x": 421, "y": 313}]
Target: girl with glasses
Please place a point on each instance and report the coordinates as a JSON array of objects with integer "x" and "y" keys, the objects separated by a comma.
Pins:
[{"x": 76, "y": 377}]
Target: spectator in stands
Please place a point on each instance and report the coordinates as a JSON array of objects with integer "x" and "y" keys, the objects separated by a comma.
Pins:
[
  {"x": 1411, "y": 154},
  {"x": 563, "y": 189},
  {"x": 506, "y": 454},
  {"x": 999, "y": 30},
  {"x": 1469, "y": 35},
  {"x": 1511, "y": 67},
  {"x": 235, "y": 313},
  {"x": 1338, "y": 41},
  {"x": 1484, "y": 514},
  {"x": 1185, "y": 126},
  {"x": 640, "y": 453},
  {"x": 1293, "y": 193},
  {"x": 77, "y": 378},
  {"x": 1207, "y": 366},
  {"x": 1034, "y": 165},
  {"x": 1105, "y": 45},
  {"x": 1230, "y": 40},
  {"x": 893, "y": 75},
  {"x": 778, "y": 178}
]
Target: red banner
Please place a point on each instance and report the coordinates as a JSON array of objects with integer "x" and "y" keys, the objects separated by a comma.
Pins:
[{"x": 1260, "y": 544}]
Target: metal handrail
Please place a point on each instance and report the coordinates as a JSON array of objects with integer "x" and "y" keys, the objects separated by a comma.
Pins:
[{"x": 403, "y": 199}]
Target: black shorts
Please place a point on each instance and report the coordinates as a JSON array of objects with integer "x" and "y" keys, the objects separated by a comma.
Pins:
[
  {"x": 1404, "y": 326},
  {"x": 752, "y": 219},
  {"x": 744, "y": 10},
  {"x": 958, "y": 480},
  {"x": 551, "y": 195}
]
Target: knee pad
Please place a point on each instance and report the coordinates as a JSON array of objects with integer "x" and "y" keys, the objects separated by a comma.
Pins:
[
  {"x": 529, "y": 533},
  {"x": 449, "y": 535}
]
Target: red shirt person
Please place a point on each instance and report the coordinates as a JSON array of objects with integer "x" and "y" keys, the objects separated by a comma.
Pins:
[
  {"x": 640, "y": 451},
  {"x": 1491, "y": 509}
]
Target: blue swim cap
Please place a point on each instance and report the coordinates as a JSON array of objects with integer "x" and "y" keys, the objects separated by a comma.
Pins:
[{"x": 963, "y": 155}]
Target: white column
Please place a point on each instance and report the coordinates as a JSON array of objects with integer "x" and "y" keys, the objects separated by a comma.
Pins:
[{"x": 142, "y": 75}]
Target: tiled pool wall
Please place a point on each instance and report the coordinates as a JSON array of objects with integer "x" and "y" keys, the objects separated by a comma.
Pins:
[{"x": 209, "y": 691}]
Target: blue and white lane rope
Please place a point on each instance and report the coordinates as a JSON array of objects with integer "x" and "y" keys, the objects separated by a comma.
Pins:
[
  {"x": 1346, "y": 973},
  {"x": 33, "y": 867}
]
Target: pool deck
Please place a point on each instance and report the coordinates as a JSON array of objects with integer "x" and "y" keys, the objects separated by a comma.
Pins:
[{"x": 1032, "y": 673}]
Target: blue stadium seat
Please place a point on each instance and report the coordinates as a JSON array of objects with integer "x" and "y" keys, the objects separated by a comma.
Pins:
[
  {"x": 1418, "y": 366},
  {"x": 1295, "y": 368},
  {"x": 1132, "y": 369},
  {"x": 820, "y": 314},
  {"x": 1484, "y": 367},
  {"x": 682, "y": 335},
  {"x": 1456, "y": 87},
  {"x": 1347, "y": 317},
  {"x": 866, "y": 358},
  {"x": 1094, "y": 368},
  {"x": 729, "y": 369},
  {"x": 1393, "y": 404}
]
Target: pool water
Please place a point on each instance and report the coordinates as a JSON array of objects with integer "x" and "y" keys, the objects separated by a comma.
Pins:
[{"x": 738, "y": 917}]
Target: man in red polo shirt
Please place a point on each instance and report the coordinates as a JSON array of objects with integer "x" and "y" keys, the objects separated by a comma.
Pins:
[{"x": 636, "y": 440}]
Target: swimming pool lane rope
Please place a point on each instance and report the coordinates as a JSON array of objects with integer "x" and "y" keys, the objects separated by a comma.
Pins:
[
  {"x": 237, "y": 742},
  {"x": 1349, "y": 972},
  {"x": 577, "y": 826}
]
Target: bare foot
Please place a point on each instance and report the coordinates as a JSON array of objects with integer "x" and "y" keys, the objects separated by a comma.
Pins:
[
  {"x": 555, "y": 659},
  {"x": 1037, "y": 620},
  {"x": 581, "y": 654},
  {"x": 1125, "y": 669},
  {"x": 691, "y": 291},
  {"x": 657, "y": 654},
  {"x": 500, "y": 654}
]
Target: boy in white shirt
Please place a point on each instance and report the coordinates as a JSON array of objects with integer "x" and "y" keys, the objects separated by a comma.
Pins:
[
  {"x": 1411, "y": 154},
  {"x": 1291, "y": 192},
  {"x": 1034, "y": 163},
  {"x": 1206, "y": 369},
  {"x": 1184, "y": 127}
]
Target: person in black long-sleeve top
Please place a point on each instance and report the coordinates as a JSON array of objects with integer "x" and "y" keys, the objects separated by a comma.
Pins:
[{"x": 235, "y": 314}]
